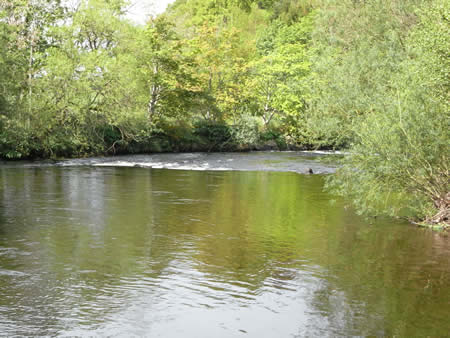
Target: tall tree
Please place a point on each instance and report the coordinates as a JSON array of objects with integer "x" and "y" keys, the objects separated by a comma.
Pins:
[
  {"x": 164, "y": 70},
  {"x": 279, "y": 75}
]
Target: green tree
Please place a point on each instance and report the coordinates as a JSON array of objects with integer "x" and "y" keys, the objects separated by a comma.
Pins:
[
  {"x": 400, "y": 159},
  {"x": 221, "y": 69},
  {"x": 25, "y": 30},
  {"x": 278, "y": 76},
  {"x": 79, "y": 99},
  {"x": 164, "y": 70},
  {"x": 358, "y": 46}
]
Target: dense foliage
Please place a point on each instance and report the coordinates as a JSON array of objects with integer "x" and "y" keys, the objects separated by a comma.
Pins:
[
  {"x": 399, "y": 161},
  {"x": 368, "y": 76}
]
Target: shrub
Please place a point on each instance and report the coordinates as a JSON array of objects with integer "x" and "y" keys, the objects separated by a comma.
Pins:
[
  {"x": 245, "y": 132},
  {"x": 218, "y": 135}
]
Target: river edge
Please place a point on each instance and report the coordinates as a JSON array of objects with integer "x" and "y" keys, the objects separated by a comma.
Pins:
[{"x": 437, "y": 227}]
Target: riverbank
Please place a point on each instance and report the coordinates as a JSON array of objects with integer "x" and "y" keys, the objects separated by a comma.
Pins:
[
  {"x": 205, "y": 137},
  {"x": 435, "y": 227}
]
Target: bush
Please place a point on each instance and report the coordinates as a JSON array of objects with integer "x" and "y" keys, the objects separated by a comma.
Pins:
[
  {"x": 245, "y": 132},
  {"x": 217, "y": 135},
  {"x": 14, "y": 139}
]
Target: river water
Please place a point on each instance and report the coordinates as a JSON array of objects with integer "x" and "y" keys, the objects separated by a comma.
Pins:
[{"x": 102, "y": 248}]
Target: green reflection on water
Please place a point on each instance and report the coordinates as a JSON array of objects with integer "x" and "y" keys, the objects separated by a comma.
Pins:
[{"x": 82, "y": 248}]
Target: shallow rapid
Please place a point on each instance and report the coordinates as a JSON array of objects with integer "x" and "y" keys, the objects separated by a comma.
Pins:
[{"x": 287, "y": 161}]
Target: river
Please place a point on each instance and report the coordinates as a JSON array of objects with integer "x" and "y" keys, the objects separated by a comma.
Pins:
[{"x": 247, "y": 245}]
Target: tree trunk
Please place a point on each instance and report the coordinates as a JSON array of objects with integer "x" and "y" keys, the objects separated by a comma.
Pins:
[
  {"x": 153, "y": 103},
  {"x": 155, "y": 91}
]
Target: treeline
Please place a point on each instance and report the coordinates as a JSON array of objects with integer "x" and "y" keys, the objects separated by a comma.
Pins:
[
  {"x": 369, "y": 76},
  {"x": 207, "y": 75}
]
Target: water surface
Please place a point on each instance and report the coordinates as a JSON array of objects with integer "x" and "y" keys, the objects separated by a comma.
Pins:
[
  {"x": 279, "y": 161},
  {"x": 163, "y": 253}
]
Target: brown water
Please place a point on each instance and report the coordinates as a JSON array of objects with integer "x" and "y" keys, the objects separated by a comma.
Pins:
[{"x": 158, "y": 253}]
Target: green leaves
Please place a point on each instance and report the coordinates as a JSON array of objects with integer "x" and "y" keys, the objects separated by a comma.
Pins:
[
  {"x": 400, "y": 157},
  {"x": 278, "y": 76}
]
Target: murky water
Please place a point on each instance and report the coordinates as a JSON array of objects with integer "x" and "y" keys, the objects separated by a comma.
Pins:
[{"x": 109, "y": 251}]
